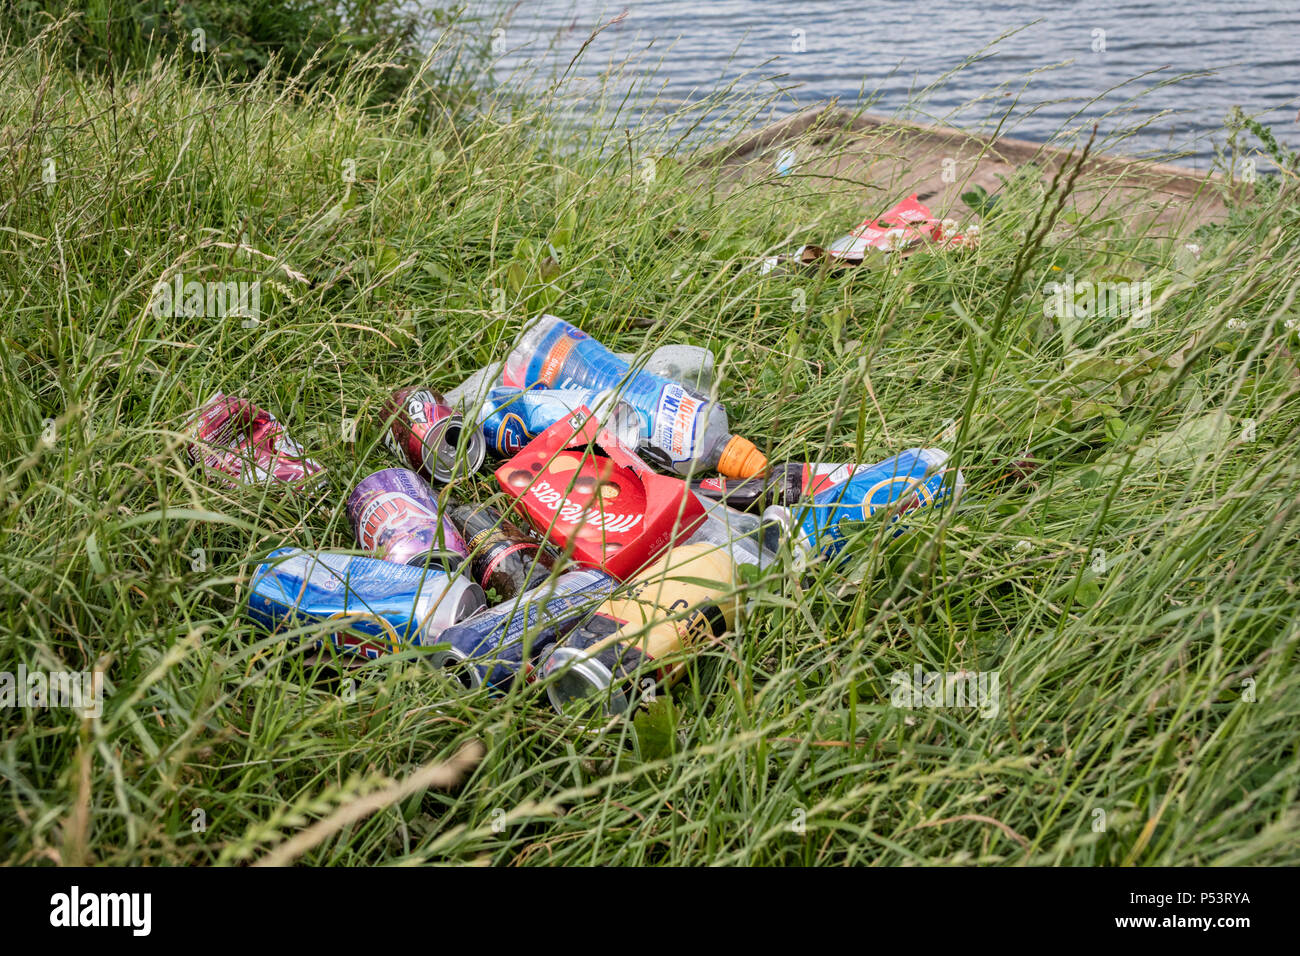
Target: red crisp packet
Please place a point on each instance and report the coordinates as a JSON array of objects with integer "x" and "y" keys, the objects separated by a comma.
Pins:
[
  {"x": 244, "y": 444},
  {"x": 615, "y": 512},
  {"x": 907, "y": 225}
]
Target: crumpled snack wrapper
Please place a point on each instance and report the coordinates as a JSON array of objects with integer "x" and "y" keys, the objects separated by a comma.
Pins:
[
  {"x": 905, "y": 228},
  {"x": 241, "y": 444}
]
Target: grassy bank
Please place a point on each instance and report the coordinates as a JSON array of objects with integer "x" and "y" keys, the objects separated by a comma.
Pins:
[{"x": 1136, "y": 597}]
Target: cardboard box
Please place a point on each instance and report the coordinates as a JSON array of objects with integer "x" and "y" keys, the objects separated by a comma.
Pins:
[{"x": 614, "y": 513}]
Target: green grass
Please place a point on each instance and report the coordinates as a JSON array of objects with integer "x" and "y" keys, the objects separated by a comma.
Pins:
[{"x": 1161, "y": 690}]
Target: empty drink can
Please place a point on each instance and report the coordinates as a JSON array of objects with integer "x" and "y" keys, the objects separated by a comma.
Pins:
[
  {"x": 395, "y": 516},
  {"x": 499, "y": 643},
  {"x": 423, "y": 431},
  {"x": 377, "y": 606}
]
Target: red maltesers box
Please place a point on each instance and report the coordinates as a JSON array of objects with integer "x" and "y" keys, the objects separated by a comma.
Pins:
[{"x": 614, "y": 512}]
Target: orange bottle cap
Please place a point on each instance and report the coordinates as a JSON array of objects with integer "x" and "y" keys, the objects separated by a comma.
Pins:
[{"x": 740, "y": 459}]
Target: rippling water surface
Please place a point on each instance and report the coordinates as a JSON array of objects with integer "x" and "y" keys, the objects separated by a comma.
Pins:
[{"x": 1164, "y": 74}]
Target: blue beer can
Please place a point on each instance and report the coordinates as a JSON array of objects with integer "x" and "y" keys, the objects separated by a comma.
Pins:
[
  {"x": 495, "y": 645},
  {"x": 377, "y": 606},
  {"x": 912, "y": 479},
  {"x": 512, "y": 417}
]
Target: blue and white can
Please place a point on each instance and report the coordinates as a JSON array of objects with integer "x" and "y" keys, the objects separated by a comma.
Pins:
[
  {"x": 912, "y": 479},
  {"x": 494, "y": 646},
  {"x": 378, "y": 606},
  {"x": 512, "y": 417}
]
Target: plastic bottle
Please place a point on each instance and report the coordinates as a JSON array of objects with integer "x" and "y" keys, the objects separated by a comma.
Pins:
[
  {"x": 681, "y": 601},
  {"x": 741, "y": 535},
  {"x": 691, "y": 365},
  {"x": 687, "y": 433},
  {"x": 470, "y": 393}
]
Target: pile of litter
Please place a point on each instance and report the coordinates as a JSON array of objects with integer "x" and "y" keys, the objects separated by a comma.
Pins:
[{"x": 604, "y": 473}]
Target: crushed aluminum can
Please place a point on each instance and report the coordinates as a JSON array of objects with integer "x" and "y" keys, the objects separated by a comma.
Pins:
[{"x": 242, "y": 444}]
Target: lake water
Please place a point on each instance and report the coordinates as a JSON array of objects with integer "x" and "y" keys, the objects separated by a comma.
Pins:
[{"x": 1164, "y": 75}]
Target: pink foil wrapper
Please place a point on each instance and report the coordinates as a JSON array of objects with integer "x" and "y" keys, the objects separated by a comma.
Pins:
[
  {"x": 243, "y": 445},
  {"x": 904, "y": 228},
  {"x": 909, "y": 223}
]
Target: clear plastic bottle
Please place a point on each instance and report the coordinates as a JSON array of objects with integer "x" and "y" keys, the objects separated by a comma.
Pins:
[
  {"x": 687, "y": 433},
  {"x": 692, "y": 365},
  {"x": 739, "y": 533}
]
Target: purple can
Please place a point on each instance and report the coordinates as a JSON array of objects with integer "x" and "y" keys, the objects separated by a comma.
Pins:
[{"x": 395, "y": 516}]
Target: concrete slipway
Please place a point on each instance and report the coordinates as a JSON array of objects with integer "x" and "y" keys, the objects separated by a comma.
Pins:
[{"x": 873, "y": 160}]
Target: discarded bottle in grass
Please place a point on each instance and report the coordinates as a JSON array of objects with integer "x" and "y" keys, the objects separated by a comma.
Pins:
[
  {"x": 498, "y": 644},
  {"x": 685, "y": 431},
  {"x": 375, "y": 606},
  {"x": 738, "y": 533},
  {"x": 425, "y": 433},
  {"x": 911, "y": 479},
  {"x": 690, "y": 365},
  {"x": 470, "y": 393},
  {"x": 244, "y": 444},
  {"x": 682, "y": 601},
  {"x": 503, "y": 557},
  {"x": 512, "y": 417},
  {"x": 785, "y": 484},
  {"x": 395, "y": 516}
]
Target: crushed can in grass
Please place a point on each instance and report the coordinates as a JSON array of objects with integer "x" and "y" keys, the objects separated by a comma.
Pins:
[
  {"x": 241, "y": 444},
  {"x": 498, "y": 645},
  {"x": 681, "y": 602},
  {"x": 373, "y": 606},
  {"x": 426, "y": 434},
  {"x": 610, "y": 511},
  {"x": 395, "y": 516},
  {"x": 785, "y": 484},
  {"x": 912, "y": 479},
  {"x": 504, "y": 558},
  {"x": 685, "y": 432}
]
